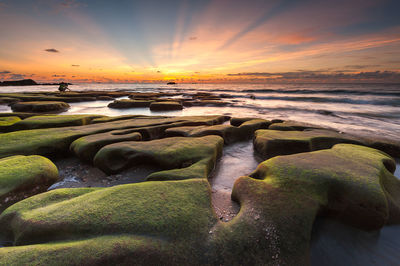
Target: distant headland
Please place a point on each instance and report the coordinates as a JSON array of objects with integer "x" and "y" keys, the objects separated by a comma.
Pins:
[{"x": 25, "y": 82}]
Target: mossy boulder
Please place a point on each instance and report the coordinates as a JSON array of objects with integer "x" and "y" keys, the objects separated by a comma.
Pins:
[
  {"x": 7, "y": 121},
  {"x": 126, "y": 103},
  {"x": 270, "y": 143},
  {"x": 292, "y": 126},
  {"x": 165, "y": 106},
  {"x": 56, "y": 141},
  {"x": 8, "y": 100},
  {"x": 49, "y": 121},
  {"x": 229, "y": 133},
  {"x": 195, "y": 155},
  {"x": 282, "y": 198},
  {"x": 237, "y": 121},
  {"x": 87, "y": 147},
  {"x": 24, "y": 176},
  {"x": 175, "y": 212},
  {"x": 43, "y": 106}
]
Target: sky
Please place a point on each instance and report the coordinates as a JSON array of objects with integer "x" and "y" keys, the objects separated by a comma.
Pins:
[{"x": 200, "y": 41}]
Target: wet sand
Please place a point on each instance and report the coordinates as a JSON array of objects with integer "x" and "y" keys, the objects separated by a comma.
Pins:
[{"x": 237, "y": 160}]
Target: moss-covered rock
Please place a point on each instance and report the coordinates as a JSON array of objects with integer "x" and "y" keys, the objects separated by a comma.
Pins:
[
  {"x": 270, "y": 143},
  {"x": 285, "y": 194},
  {"x": 49, "y": 121},
  {"x": 165, "y": 106},
  {"x": 172, "y": 211},
  {"x": 292, "y": 126},
  {"x": 195, "y": 155},
  {"x": 7, "y": 100},
  {"x": 229, "y": 133},
  {"x": 7, "y": 121},
  {"x": 43, "y": 106},
  {"x": 87, "y": 147},
  {"x": 23, "y": 176},
  {"x": 126, "y": 103},
  {"x": 237, "y": 121}
]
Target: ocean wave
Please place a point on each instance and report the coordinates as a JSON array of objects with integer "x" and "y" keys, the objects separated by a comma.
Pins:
[{"x": 324, "y": 91}]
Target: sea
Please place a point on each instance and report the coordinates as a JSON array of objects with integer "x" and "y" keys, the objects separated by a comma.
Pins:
[{"x": 361, "y": 109}]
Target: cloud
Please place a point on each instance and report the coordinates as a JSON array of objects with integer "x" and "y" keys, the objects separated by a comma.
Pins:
[
  {"x": 360, "y": 66},
  {"x": 75, "y": 65},
  {"x": 69, "y": 4},
  {"x": 58, "y": 76},
  {"x": 319, "y": 76},
  {"x": 193, "y": 38},
  {"x": 51, "y": 50},
  {"x": 5, "y": 72}
]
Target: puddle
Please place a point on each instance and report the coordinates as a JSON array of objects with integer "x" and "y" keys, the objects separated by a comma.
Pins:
[
  {"x": 334, "y": 244},
  {"x": 397, "y": 172},
  {"x": 238, "y": 159}
]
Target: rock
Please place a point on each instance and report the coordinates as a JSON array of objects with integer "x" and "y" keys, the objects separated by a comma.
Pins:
[
  {"x": 23, "y": 82},
  {"x": 7, "y": 122},
  {"x": 43, "y": 106},
  {"x": 125, "y": 103},
  {"x": 51, "y": 121},
  {"x": 23, "y": 176},
  {"x": 87, "y": 147},
  {"x": 7, "y": 100},
  {"x": 193, "y": 157},
  {"x": 270, "y": 143},
  {"x": 58, "y": 140},
  {"x": 292, "y": 126},
  {"x": 237, "y": 121},
  {"x": 348, "y": 183},
  {"x": 165, "y": 106},
  {"x": 104, "y": 98},
  {"x": 229, "y": 133}
]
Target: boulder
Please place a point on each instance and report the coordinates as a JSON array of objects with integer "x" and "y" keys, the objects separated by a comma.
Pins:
[
  {"x": 291, "y": 126},
  {"x": 126, "y": 103},
  {"x": 165, "y": 106},
  {"x": 43, "y": 106},
  {"x": 87, "y": 147},
  {"x": 7, "y": 121},
  {"x": 270, "y": 143},
  {"x": 51, "y": 121},
  {"x": 24, "y": 176},
  {"x": 195, "y": 155}
]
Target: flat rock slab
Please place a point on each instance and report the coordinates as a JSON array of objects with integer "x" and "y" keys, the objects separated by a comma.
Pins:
[
  {"x": 23, "y": 176},
  {"x": 270, "y": 143},
  {"x": 166, "y": 106},
  {"x": 7, "y": 122},
  {"x": 87, "y": 147},
  {"x": 43, "y": 106},
  {"x": 126, "y": 103},
  {"x": 187, "y": 157},
  {"x": 51, "y": 121}
]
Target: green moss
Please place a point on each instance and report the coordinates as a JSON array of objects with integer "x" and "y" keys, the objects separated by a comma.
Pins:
[
  {"x": 169, "y": 153},
  {"x": 152, "y": 209},
  {"x": 126, "y": 103},
  {"x": 56, "y": 141},
  {"x": 7, "y": 122},
  {"x": 23, "y": 174},
  {"x": 41, "y": 106},
  {"x": 292, "y": 126},
  {"x": 87, "y": 147},
  {"x": 270, "y": 143},
  {"x": 50, "y": 121},
  {"x": 229, "y": 133},
  {"x": 165, "y": 106}
]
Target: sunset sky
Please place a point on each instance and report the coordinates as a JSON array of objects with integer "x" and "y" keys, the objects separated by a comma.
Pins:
[{"x": 200, "y": 41}]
